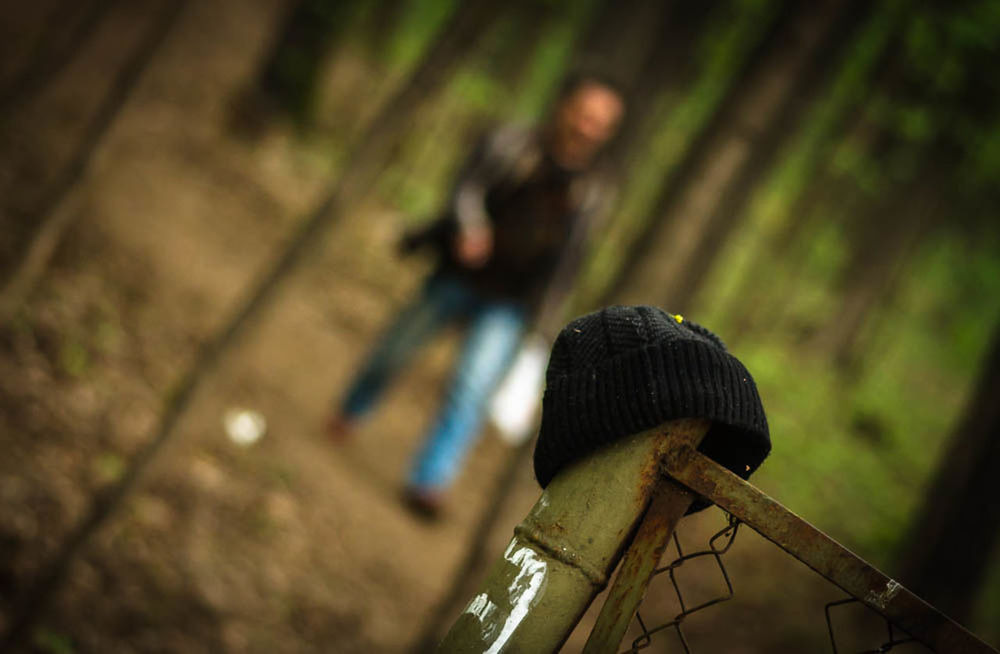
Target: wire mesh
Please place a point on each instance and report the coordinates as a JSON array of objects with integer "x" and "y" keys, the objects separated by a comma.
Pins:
[
  {"x": 718, "y": 545},
  {"x": 728, "y": 535},
  {"x": 887, "y": 646}
]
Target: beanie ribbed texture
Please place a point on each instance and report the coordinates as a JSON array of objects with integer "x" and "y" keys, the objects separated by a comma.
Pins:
[{"x": 622, "y": 370}]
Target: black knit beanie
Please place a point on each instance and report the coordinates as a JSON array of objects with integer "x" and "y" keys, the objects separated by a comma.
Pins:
[{"x": 622, "y": 370}]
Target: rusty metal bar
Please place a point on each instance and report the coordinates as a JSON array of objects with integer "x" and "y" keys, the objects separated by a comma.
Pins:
[
  {"x": 821, "y": 553},
  {"x": 565, "y": 549},
  {"x": 669, "y": 504}
]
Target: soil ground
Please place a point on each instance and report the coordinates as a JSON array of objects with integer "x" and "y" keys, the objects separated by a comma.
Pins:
[{"x": 291, "y": 544}]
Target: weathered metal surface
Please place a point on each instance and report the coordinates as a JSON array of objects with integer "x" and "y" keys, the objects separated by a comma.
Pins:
[
  {"x": 821, "y": 553},
  {"x": 670, "y": 502},
  {"x": 562, "y": 553},
  {"x": 728, "y": 536}
]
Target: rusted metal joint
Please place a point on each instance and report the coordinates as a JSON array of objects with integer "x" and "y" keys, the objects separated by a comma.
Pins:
[
  {"x": 562, "y": 551},
  {"x": 677, "y": 456}
]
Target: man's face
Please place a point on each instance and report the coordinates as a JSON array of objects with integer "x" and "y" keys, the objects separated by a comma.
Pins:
[{"x": 584, "y": 121}]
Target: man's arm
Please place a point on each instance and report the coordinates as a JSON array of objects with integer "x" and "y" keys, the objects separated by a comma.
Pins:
[{"x": 492, "y": 159}]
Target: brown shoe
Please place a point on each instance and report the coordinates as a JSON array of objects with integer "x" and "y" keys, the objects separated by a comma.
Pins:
[
  {"x": 424, "y": 503},
  {"x": 339, "y": 428}
]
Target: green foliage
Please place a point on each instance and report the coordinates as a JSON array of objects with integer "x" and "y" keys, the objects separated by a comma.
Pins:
[
  {"x": 948, "y": 94},
  {"x": 74, "y": 358},
  {"x": 51, "y": 642},
  {"x": 983, "y": 166},
  {"x": 547, "y": 66},
  {"x": 874, "y": 441},
  {"x": 419, "y": 23},
  {"x": 988, "y": 627},
  {"x": 108, "y": 467},
  {"x": 854, "y": 454},
  {"x": 807, "y": 155}
]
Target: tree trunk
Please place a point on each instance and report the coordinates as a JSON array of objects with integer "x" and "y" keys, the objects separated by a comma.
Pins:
[
  {"x": 684, "y": 227},
  {"x": 667, "y": 65},
  {"x": 526, "y": 27},
  {"x": 948, "y": 549},
  {"x": 51, "y": 56},
  {"x": 620, "y": 38},
  {"x": 382, "y": 23},
  {"x": 57, "y": 212},
  {"x": 291, "y": 69},
  {"x": 884, "y": 237}
]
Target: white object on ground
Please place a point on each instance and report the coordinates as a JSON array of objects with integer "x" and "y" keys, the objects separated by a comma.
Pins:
[
  {"x": 514, "y": 404},
  {"x": 244, "y": 426}
]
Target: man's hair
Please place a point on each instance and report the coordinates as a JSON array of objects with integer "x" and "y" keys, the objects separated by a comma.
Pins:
[{"x": 579, "y": 79}]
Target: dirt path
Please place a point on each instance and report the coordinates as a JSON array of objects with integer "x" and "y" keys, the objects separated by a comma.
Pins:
[{"x": 286, "y": 546}]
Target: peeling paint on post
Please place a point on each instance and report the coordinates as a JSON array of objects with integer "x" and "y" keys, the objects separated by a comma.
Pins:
[
  {"x": 563, "y": 552},
  {"x": 498, "y": 623}
]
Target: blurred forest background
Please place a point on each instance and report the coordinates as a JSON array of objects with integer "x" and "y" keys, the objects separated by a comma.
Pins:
[{"x": 816, "y": 182}]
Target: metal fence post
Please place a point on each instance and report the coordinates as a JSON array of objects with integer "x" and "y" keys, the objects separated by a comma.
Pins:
[
  {"x": 669, "y": 504},
  {"x": 563, "y": 552}
]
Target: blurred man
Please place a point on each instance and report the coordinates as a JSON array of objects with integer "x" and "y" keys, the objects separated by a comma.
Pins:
[{"x": 509, "y": 245}]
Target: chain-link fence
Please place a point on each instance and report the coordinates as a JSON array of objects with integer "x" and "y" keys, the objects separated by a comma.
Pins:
[
  {"x": 620, "y": 508},
  {"x": 726, "y": 536},
  {"x": 718, "y": 545}
]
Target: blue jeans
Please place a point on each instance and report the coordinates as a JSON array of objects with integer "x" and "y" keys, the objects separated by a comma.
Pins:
[{"x": 495, "y": 330}]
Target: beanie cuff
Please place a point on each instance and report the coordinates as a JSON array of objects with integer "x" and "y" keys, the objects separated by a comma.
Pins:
[{"x": 644, "y": 387}]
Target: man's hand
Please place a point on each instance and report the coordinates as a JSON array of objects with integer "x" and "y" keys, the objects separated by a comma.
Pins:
[{"x": 473, "y": 247}]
